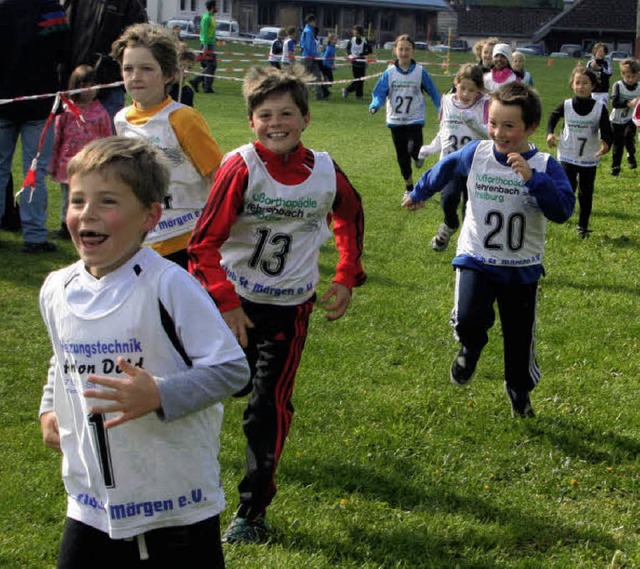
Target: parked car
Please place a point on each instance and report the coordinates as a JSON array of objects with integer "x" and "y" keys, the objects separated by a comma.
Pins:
[
  {"x": 572, "y": 49},
  {"x": 439, "y": 48},
  {"x": 227, "y": 29},
  {"x": 558, "y": 54},
  {"x": 526, "y": 51},
  {"x": 618, "y": 55},
  {"x": 460, "y": 45},
  {"x": 266, "y": 35},
  {"x": 538, "y": 49},
  {"x": 187, "y": 28}
]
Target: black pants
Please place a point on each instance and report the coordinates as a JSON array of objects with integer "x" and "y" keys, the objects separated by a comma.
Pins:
[
  {"x": 450, "y": 199},
  {"x": 473, "y": 315},
  {"x": 359, "y": 70},
  {"x": 327, "y": 74},
  {"x": 209, "y": 64},
  {"x": 624, "y": 136},
  {"x": 196, "y": 545},
  {"x": 582, "y": 181},
  {"x": 274, "y": 351},
  {"x": 407, "y": 140}
]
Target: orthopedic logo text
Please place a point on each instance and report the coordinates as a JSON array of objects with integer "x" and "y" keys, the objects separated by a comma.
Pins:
[{"x": 494, "y": 188}]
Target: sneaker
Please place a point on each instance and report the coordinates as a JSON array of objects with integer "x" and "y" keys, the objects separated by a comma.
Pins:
[
  {"x": 418, "y": 162},
  {"x": 520, "y": 403},
  {"x": 441, "y": 239},
  {"x": 631, "y": 160},
  {"x": 615, "y": 170},
  {"x": 463, "y": 367},
  {"x": 62, "y": 233},
  {"x": 406, "y": 194},
  {"x": 345, "y": 93},
  {"x": 243, "y": 530},
  {"x": 43, "y": 247},
  {"x": 583, "y": 232}
]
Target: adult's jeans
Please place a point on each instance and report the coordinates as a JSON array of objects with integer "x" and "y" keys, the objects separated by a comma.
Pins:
[{"x": 33, "y": 206}]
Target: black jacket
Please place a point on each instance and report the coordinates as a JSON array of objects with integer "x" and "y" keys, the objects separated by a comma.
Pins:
[{"x": 33, "y": 37}]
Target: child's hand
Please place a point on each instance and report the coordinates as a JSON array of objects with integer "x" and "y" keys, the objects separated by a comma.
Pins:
[
  {"x": 604, "y": 148},
  {"x": 238, "y": 321},
  {"x": 373, "y": 110},
  {"x": 341, "y": 299},
  {"x": 50, "y": 432},
  {"x": 427, "y": 150},
  {"x": 132, "y": 397},
  {"x": 552, "y": 140},
  {"x": 408, "y": 203},
  {"x": 519, "y": 165}
]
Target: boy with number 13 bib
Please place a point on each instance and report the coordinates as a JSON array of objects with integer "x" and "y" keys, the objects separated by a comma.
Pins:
[{"x": 255, "y": 249}]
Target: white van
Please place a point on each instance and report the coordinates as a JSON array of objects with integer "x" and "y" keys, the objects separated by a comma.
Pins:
[
  {"x": 227, "y": 29},
  {"x": 266, "y": 35}
]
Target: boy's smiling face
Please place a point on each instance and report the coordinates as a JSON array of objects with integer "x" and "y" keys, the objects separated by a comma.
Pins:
[
  {"x": 278, "y": 123},
  {"x": 507, "y": 129},
  {"x": 107, "y": 221}
]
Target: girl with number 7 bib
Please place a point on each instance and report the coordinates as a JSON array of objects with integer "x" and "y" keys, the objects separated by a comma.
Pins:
[{"x": 402, "y": 85}]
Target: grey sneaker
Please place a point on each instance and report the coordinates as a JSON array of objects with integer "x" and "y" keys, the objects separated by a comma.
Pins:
[
  {"x": 463, "y": 367},
  {"x": 520, "y": 403},
  {"x": 243, "y": 530},
  {"x": 418, "y": 162},
  {"x": 442, "y": 237}
]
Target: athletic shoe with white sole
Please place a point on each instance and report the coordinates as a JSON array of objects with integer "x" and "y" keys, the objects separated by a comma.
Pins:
[
  {"x": 243, "y": 530},
  {"x": 520, "y": 403},
  {"x": 463, "y": 367},
  {"x": 442, "y": 237}
]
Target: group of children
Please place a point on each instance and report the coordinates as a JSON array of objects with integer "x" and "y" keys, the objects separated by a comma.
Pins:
[{"x": 139, "y": 433}]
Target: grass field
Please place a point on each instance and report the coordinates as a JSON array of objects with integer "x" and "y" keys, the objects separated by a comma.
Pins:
[{"x": 387, "y": 464}]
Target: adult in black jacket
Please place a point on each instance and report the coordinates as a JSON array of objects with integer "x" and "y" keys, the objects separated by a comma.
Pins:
[
  {"x": 33, "y": 37},
  {"x": 95, "y": 25}
]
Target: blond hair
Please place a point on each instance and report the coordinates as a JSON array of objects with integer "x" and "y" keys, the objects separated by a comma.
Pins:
[{"x": 134, "y": 161}]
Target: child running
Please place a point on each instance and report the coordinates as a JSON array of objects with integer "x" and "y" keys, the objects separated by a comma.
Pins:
[
  {"x": 463, "y": 118},
  {"x": 402, "y": 85},
  {"x": 501, "y": 72},
  {"x": 624, "y": 97},
  {"x": 358, "y": 47},
  {"x": 275, "y": 51},
  {"x": 601, "y": 66},
  {"x": 586, "y": 136},
  {"x": 517, "y": 64},
  {"x": 289, "y": 46},
  {"x": 141, "y": 362},
  {"x": 149, "y": 58},
  {"x": 513, "y": 189},
  {"x": 255, "y": 249},
  {"x": 73, "y": 132}
]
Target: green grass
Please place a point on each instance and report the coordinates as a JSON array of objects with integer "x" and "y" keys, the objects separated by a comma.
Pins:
[{"x": 387, "y": 464}]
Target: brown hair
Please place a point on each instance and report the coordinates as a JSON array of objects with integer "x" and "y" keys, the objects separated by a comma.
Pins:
[
  {"x": 262, "y": 82},
  {"x": 82, "y": 76},
  {"x": 470, "y": 71},
  {"x": 521, "y": 95}
]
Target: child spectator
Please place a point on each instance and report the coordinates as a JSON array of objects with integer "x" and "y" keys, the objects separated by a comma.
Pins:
[
  {"x": 328, "y": 63},
  {"x": 624, "y": 97},
  {"x": 255, "y": 249},
  {"x": 517, "y": 64},
  {"x": 586, "y": 136},
  {"x": 513, "y": 189},
  {"x": 402, "y": 85},
  {"x": 139, "y": 425},
  {"x": 275, "y": 52},
  {"x": 358, "y": 48},
  {"x": 289, "y": 46},
  {"x": 601, "y": 66},
  {"x": 501, "y": 72},
  {"x": 73, "y": 132},
  {"x": 463, "y": 118},
  {"x": 186, "y": 60},
  {"x": 149, "y": 59},
  {"x": 477, "y": 51}
]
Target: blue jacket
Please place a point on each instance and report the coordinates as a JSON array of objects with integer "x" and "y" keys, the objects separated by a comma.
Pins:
[
  {"x": 308, "y": 42},
  {"x": 551, "y": 190}
]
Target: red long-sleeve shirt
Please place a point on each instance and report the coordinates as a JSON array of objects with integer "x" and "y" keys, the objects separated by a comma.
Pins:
[{"x": 226, "y": 201}]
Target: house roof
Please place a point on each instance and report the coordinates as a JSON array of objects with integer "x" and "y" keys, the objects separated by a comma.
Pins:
[
  {"x": 502, "y": 22},
  {"x": 437, "y": 5},
  {"x": 593, "y": 16}
]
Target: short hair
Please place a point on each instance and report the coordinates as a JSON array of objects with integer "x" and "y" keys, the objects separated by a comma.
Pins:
[
  {"x": 210, "y": 4},
  {"x": 82, "y": 76},
  {"x": 472, "y": 72},
  {"x": 282, "y": 33},
  {"x": 162, "y": 44},
  {"x": 599, "y": 45},
  {"x": 134, "y": 161},
  {"x": 519, "y": 54},
  {"x": 186, "y": 53},
  {"x": 521, "y": 95},
  {"x": 586, "y": 71},
  {"x": 262, "y": 82},
  {"x": 631, "y": 63},
  {"x": 405, "y": 37},
  {"x": 310, "y": 18},
  {"x": 292, "y": 31},
  {"x": 358, "y": 28}
]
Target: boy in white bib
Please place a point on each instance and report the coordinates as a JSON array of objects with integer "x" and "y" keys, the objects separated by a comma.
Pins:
[
  {"x": 142, "y": 360},
  {"x": 512, "y": 189}
]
